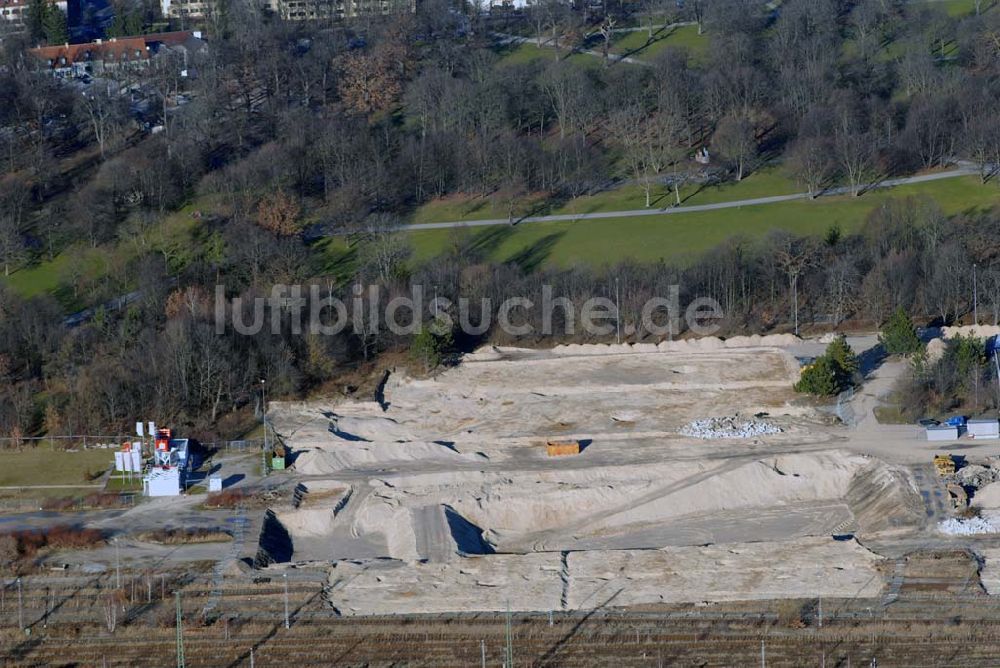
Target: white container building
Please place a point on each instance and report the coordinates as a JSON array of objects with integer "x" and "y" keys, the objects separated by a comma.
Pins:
[
  {"x": 162, "y": 482},
  {"x": 983, "y": 429},
  {"x": 942, "y": 432}
]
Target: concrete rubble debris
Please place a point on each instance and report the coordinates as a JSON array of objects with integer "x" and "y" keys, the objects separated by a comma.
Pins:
[
  {"x": 966, "y": 527},
  {"x": 735, "y": 426},
  {"x": 974, "y": 475}
]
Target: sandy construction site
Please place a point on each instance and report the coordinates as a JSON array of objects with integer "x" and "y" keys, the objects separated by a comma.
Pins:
[{"x": 441, "y": 497}]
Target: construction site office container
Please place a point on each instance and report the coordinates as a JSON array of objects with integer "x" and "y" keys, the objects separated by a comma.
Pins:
[
  {"x": 162, "y": 482},
  {"x": 942, "y": 433},
  {"x": 983, "y": 428}
]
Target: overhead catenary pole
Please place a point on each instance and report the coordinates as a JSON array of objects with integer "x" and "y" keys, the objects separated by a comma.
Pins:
[
  {"x": 20, "y": 606},
  {"x": 288, "y": 623},
  {"x": 180, "y": 633},
  {"x": 508, "y": 660},
  {"x": 482, "y": 651},
  {"x": 763, "y": 658}
]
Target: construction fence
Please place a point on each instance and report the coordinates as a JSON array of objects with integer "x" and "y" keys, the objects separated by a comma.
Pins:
[{"x": 108, "y": 442}]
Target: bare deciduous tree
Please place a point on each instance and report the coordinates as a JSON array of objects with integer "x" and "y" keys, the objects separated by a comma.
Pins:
[
  {"x": 607, "y": 31},
  {"x": 855, "y": 152},
  {"x": 736, "y": 138},
  {"x": 792, "y": 256}
]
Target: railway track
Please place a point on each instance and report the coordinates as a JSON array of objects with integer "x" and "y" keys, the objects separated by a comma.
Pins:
[
  {"x": 938, "y": 615},
  {"x": 535, "y": 644}
]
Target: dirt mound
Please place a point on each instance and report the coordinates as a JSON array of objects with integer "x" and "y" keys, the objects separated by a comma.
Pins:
[
  {"x": 935, "y": 349},
  {"x": 524, "y": 582},
  {"x": 883, "y": 497},
  {"x": 980, "y": 331},
  {"x": 802, "y": 568},
  {"x": 805, "y": 567},
  {"x": 873, "y": 495},
  {"x": 987, "y": 496},
  {"x": 335, "y": 457},
  {"x": 387, "y": 517},
  {"x": 705, "y": 343},
  {"x": 355, "y": 428}
]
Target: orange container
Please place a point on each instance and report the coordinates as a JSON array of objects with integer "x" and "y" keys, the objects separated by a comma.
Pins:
[{"x": 562, "y": 448}]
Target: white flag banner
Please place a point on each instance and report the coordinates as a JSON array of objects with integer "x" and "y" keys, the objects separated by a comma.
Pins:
[{"x": 119, "y": 461}]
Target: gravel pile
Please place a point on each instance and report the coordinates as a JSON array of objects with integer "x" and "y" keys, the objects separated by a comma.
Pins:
[
  {"x": 969, "y": 527},
  {"x": 729, "y": 427}
]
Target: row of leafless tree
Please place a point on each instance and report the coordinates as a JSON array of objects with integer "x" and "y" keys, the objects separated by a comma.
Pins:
[{"x": 295, "y": 131}]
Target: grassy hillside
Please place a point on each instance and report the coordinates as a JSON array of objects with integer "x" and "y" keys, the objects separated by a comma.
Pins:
[{"x": 682, "y": 236}]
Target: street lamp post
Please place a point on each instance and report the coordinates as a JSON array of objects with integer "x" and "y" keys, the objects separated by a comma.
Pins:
[
  {"x": 263, "y": 409},
  {"x": 263, "y": 398},
  {"x": 618, "y": 313},
  {"x": 263, "y": 420}
]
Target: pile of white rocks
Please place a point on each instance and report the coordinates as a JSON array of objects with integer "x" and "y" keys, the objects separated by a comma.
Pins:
[
  {"x": 966, "y": 527},
  {"x": 735, "y": 426}
]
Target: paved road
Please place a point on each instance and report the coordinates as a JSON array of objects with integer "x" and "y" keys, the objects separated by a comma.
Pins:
[{"x": 735, "y": 204}]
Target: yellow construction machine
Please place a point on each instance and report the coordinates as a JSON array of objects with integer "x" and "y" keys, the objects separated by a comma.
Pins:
[{"x": 944, "y": 465}]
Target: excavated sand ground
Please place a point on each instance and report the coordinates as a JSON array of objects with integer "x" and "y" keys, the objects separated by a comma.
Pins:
[
  {"x": 489, "y": 407},
  {"x": 451, "y": 504},
  {"x": 803, "y": 568}
]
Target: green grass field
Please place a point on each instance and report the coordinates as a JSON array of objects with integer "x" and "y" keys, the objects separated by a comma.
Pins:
[
  {"x": 43, "y": 466},
  {"x": 526, "y": 53},
  {"x": 176, "y": 237},
  {"x": 77, "y": 261},
  {"x": 682, "y": 237},
  {"x": 764, "y": 183},
  {"x": 956, "y": 8},
  {"x": 635, "y": 44}
]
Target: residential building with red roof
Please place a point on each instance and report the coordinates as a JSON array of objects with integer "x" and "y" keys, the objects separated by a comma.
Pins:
[{"x": 102, "y": 55}]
